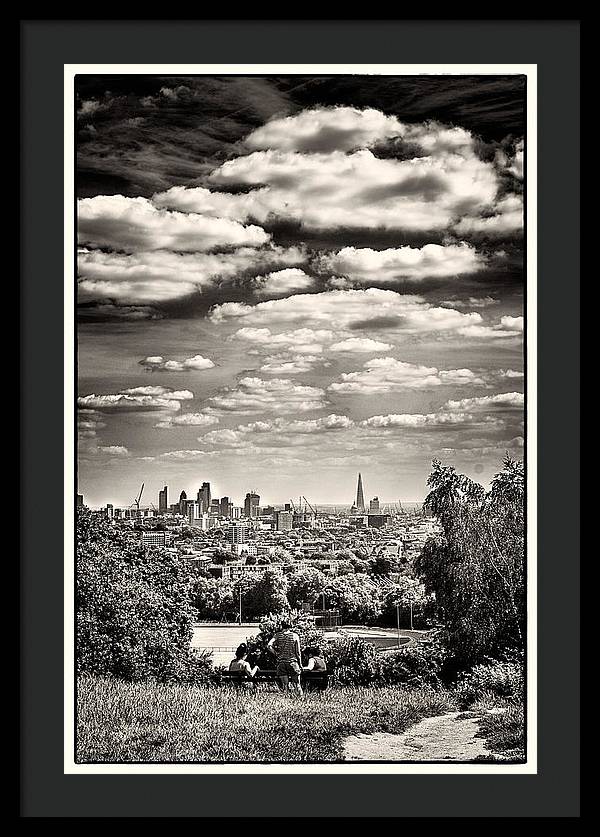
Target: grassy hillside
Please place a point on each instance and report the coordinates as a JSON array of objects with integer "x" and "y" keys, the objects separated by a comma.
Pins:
[{"x": 129, "y": 722}]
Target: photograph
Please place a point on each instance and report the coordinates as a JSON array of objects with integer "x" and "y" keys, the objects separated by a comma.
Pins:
[{"x": 302, "y": 373}]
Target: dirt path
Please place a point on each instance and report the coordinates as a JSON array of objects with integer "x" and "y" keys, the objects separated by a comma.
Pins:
[{"x": 439, "y": 738}]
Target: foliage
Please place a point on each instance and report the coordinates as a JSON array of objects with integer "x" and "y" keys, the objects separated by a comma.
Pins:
[
  {"x": 504, "y": 679},
  {"x": 266, "y": 594},
  {"x": 355, "y": 661},
  {"x": 357, "y": 598},
  {"x": 476, "y": 568},
  {"x": 419, "y": 664},
  {"x": 504, "y": 732},
  {"x": 305, "y": 585},
  {"x": 408, "y": 591},
  {"x": 134, "y": 609}
]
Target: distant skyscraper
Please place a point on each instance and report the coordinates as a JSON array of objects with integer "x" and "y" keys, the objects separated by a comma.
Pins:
[
  {"x": 79, "y": 500},
  {"x": 284, "y": 521},
  {"x": 251, "y": 504},
  {"x": 204, "y": 497},
  {"x": 237, "y": 534},
  {"x": 360, "y": 497},
  {"x": 225, "y": 507},
  {"x": 163, "y": 500},
  {"x": 374, "y": 507},
  {"x": 182, "y": 502}
]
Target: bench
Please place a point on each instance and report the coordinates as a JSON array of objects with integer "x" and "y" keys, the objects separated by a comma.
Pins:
[{"x": 318, "y": 680}]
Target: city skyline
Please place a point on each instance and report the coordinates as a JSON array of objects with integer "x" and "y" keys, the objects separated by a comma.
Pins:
[{"x": 286, "y": 280}]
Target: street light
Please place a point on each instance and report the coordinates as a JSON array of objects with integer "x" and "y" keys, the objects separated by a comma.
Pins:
[{"x": 240, "y": 608}]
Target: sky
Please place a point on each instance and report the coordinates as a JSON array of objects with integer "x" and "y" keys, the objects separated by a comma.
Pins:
[{"x": 284, "y": 280}]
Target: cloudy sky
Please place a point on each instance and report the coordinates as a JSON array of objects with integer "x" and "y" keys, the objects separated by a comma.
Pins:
[{"x": 285, "y": 280}]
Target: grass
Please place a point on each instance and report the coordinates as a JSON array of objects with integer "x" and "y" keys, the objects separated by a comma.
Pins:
[
  {"x": 146, "y": 722},
  {"x": 504, "y": 733}
]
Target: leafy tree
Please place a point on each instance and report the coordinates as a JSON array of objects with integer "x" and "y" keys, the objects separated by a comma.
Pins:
[
  {"x": 268, "y": 594},
  {"x": 381, "y": 565},
  {"x": 301, "y": 623},
  {"x": 356, "y": 596},
  {"x": 476, "y": 567},
  {"x": 305, "y": 585},
  {"x": 133, "y": 606}
]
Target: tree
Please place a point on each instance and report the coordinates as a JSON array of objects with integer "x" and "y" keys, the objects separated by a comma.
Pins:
[
  {"x": 134, "y": 607},
  {"x": 356, "y": 596},
  {"x": 305, "y": 585},
  {"x": 476, "y": 568},
  {"x": 267, "y": 594},
  {"x": 410, "y": 595}
]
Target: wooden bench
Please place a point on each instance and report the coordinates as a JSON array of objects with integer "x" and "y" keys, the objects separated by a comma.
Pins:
[{"x": 318, "y": 680}]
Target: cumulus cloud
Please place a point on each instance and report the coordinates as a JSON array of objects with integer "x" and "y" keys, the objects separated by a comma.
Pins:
[
  {"x": 325, "y": 129},
  {"x": 282, "y": 282},
  {"x": 278, "y": 427},
  {"x": 360, "y": 344},
  {"x": 136, "y": 400},
  {"x": 372, "y": 307},
  {"x": 359, "y": 190},
  {"x": 113, "y": 450},
  {"x": 255, "y": 395},
  {"x": 505, "y": 218},
  {"x": 136, "y": 224},
  {"x": 300, "y": 340},
  {"x": 366, "y": 266},
  {"x": 187, "y": 420},
  {"x": 162, "y": 275},
  {"x": 380, "y": 375},
  {"x": 491, "y": 411},
  {"x": 285, "y": 364},
  {"x": 155, "y": 362}
]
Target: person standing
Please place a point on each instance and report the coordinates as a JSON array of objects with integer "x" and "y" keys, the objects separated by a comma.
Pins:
[{"x": 285, "y": 647}]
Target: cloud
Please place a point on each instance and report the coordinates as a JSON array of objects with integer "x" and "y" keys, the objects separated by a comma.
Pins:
[
  {"x": 492, "y": 411},
  {"x": 187, "y": 420},
  {"x": 285, "y": 364},
  {"x": 382, "y": 375},
  {"x": 507, "y": 328},
  {"x": 358, "y": 190},
  {"x": 161, "y": 275},
  {"x": 360, "y": 344},
  {"x": 113, "y": 450},
  {"x": 506, "y": 218},
  {"x": 301, "y": 340},
  {"x": 372, "y": 307},
  {"x": 136, "y": 400},
  {"x": 278, "y": 427},
  {"x": 196, "y": 362},
  {"x": 325, "y": 129},
  {"x": 136, "y": 224},
  {"x": 282, "y": 282},
  {"x": 433, "y": 261},
  {"x": 255, "y": 395}
]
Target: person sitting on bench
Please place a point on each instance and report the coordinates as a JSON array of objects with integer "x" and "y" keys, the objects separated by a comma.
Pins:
[
  {"x": 315, "y": 659},
  {"x": 240, "y": 663}
]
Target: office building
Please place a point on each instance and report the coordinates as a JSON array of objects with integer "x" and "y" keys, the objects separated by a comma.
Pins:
[
  {"x": 79, "y": 501},
  {"x": 284, "y": 521},
  {"x": 374, "y": 507},
  {"x": 155, "y": 538},
  {"x": 251, "y": 504},
  {"x": 110, "y": 511},
  {"x": 360, "y": 497},
  {"x": 237, "y": 534},
  {"x": 163, "y": 500},
  {"x": 225, "y": 507},
  {"x": 182, "y": 502},
  {"x": 204, "y": 497}
]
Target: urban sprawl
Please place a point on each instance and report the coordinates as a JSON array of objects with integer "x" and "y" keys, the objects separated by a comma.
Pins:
[{"x": 229, "y": 541}]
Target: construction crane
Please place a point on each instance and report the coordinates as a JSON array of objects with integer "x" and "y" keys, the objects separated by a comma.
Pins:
[
  {"x": 136, "y": 502},
  {"x": 313, "y": 510}
]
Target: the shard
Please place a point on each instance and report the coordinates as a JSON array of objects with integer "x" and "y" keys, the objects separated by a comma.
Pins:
[{"x": 360, "y": 497}]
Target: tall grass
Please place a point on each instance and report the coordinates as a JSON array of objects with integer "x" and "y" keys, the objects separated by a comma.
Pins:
[{"x": 145, "y": 722}]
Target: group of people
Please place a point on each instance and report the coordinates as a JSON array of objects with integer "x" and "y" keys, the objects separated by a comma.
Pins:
[{"x": 285, "y": 648}]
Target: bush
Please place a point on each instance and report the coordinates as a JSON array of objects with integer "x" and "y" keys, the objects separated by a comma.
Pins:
[
  {"x": 356, "y": 662},
  {"x": 134, "y": 611},
  {"x": 503, "y": 679},
  {"x": 418, "y": 664}
]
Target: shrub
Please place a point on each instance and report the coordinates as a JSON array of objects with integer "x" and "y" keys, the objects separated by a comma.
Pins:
[
  {"x": 503, "y": 679},
  {"x": 356, "y": 662},
  {"x": 418, "y": 664},
  {"x": 134, "y": 611}
]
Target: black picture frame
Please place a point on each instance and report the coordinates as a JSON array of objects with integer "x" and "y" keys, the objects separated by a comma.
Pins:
[{"x": 47, "y": 45}]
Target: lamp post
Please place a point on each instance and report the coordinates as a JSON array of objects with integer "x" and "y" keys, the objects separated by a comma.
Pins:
[
  {"x": 240, "y": 604},
  {"x": 398, "y": 622}
]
